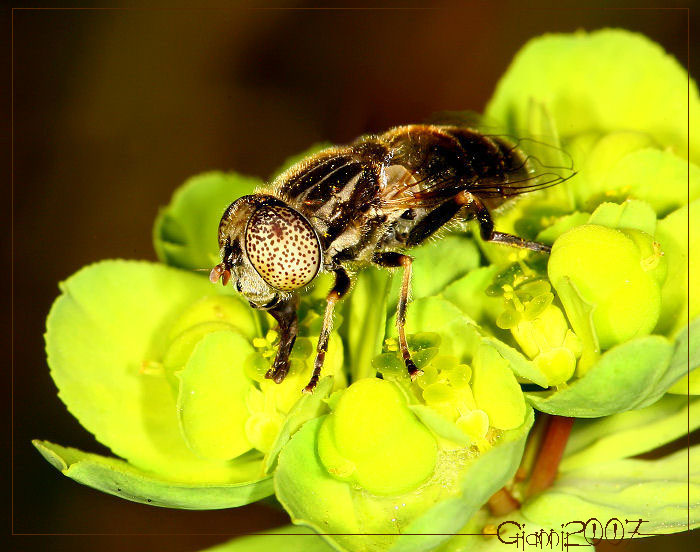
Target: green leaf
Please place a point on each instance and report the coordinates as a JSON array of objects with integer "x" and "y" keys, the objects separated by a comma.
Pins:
[
  {"x": 630, "y": 433},
  {"x": 632, "y": 213},
  {"x": 496, "y": 391},
  {"x": 309, "y": 406},
  {"x": 686, "y": 360},
  {"x": 370, "y": 423},
  {"x": 595, "y": 157},
  {"x": 662, "y": 492},
  {"x": 622, "y": 379},
  {"x": 440, "y": 426},
  {"x": 561, "y": 225},
  {"x": 657, "y": 177},
  {"x": 687, "y": 385},
  {"x": 231, "y": 311},
  {"x": 185, "y": 233},
  {"x": 687, "y": 341},
  {"x": 118, "y": 478},
  {"x": 678, "y": 241},
  {"x": 307, "y": 492},
  {"x": 603, "y": 81},
  {"x": 487, "y": 474},
  {"x": 330, "y": 506},
  {"x": 111, "y": 320},
  {"x": 469, "y": 294},
  {"x": 521, "y": 365},
  {"x": 211, "y": 404}
]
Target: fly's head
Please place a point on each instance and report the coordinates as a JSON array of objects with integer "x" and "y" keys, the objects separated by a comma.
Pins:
[{"x": 268, "y": 250}]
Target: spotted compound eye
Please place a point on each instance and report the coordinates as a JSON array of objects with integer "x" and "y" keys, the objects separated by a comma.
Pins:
[{"x": 282, "y": 247}]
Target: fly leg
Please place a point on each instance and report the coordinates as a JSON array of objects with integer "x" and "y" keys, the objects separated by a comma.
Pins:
[
  {"x": 286, "y": 315},
  {"x": 395, "y": 260},
  {"x": 482, "y": 215},
  {"x": 339, "y": 290}
]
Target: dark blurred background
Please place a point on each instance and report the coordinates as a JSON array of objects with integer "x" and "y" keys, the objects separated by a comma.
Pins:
[{"x": 113, "y": 109}]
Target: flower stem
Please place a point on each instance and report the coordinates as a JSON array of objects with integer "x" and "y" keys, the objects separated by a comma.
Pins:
[
  {"x": 532, "y": 447},
  {"x": 549, "y": 457},
  {"x": 545, "y": 449}
]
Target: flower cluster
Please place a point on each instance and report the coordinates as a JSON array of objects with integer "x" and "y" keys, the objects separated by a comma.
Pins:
[{"x": 168, "y": 371}]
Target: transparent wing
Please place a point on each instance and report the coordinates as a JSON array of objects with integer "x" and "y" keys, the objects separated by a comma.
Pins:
[{"x": 530, "y": 165}]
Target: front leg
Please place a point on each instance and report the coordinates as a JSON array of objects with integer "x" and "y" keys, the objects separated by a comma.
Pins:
[
  {"x": 339, "y": 290},
  {"x": 286, "y": 315},
  {"x": 395, "y": 260}
]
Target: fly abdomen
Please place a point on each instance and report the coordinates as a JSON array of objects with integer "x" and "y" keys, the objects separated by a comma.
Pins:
[
  {"x": 493, "y": 159},
  {"x": 441, "y": 171},
  {"x": 504, "y": 169},
  {"x": 445, "y": 160}
]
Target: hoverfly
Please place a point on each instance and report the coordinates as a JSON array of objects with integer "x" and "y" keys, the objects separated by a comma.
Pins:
[{"x": 349, "y": 207}]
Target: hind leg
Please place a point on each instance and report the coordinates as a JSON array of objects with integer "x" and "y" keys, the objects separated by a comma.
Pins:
[
  {"x": 394, "y": 260},
  {"x": 479, "y": 211}
]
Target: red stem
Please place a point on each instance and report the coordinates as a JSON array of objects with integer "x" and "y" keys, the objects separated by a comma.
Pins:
[{"x": 549, "y": 457}]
